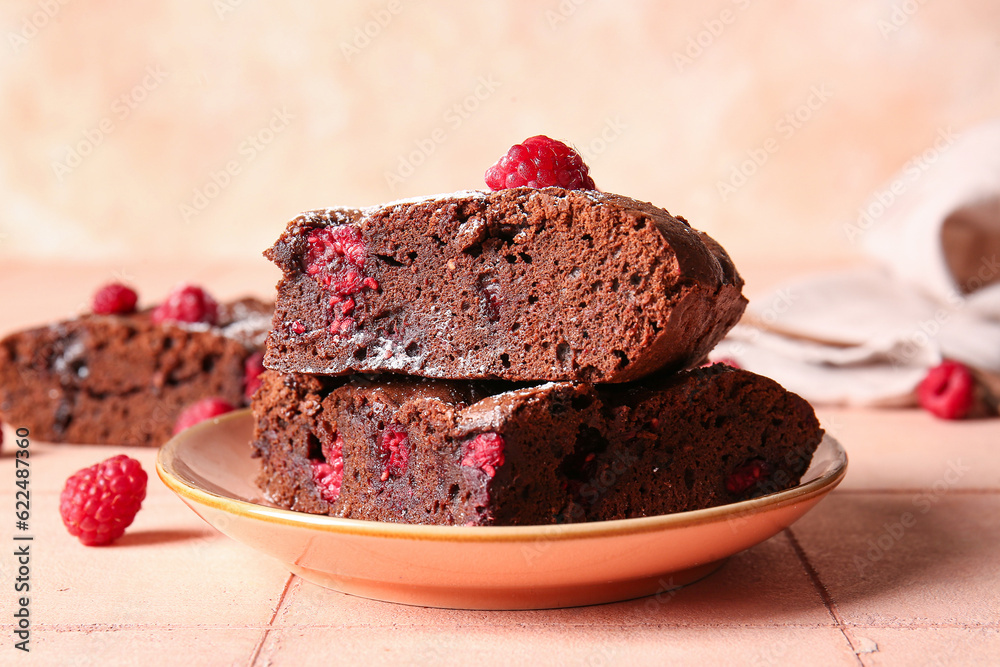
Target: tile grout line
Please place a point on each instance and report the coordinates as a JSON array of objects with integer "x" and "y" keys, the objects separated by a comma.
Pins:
[
  {"x": 270, "y": 623},
  {"x": 114, "y": 627},
  {"x": 824, "y": 594}
]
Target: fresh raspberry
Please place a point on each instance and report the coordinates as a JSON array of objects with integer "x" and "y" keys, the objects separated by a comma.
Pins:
[
  {"x": 201, "y": 410},
  {"x": 395, "y": 452},
  {"x": 98, "y": 503},
  {"x": 485, "y": 452},
  {"x": 252, "y": 368},
  {"x": 947, "y": 391},
  {"x": 746, "y": 476},
  {"x": 114, "y": 299},
  {"x": 187, "y": 303},
  {"x": 540, "y": 162}
]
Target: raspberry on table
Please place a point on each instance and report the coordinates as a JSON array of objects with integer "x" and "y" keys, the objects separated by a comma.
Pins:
[
  {"x": 540, "y": 162},
  {"x": 187, "y": 303},
  {"x": 947, "y": 391},
  {"x": 98, "y": 503},
  {"x": 114, "y": 299},
  {"x": 252, "y": 368},
  {"x": 201, "y": 410}
]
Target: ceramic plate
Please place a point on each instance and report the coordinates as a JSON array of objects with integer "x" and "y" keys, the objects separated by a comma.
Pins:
[{"x": 525, "y": 567}]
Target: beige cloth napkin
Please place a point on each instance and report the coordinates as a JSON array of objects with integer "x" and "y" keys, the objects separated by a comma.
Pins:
[{"x": 867, "y": 336}]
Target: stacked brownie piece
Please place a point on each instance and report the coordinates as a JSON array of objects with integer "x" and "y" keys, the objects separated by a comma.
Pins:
[{"x": 526, "y": 356}]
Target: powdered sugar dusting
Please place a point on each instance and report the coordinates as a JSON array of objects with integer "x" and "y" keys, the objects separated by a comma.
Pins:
[
  {"x": 248, "y": 327},
  {"x": 344, "y": 214},
  {"x": 72, "y": 358},
  {"x": 443, "y": 197},
  {"x": 250, "y": 330}
]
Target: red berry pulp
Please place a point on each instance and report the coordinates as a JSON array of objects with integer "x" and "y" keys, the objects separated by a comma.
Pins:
[{"x": 485, "y": 451}]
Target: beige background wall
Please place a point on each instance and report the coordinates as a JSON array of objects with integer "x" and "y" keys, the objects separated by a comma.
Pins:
[{"x": 170, "y": 129}]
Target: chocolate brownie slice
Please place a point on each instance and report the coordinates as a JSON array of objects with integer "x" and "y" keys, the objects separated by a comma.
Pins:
[
  {"x": 522, "y": 284},
  {"x": 122, "y": 379},
  {"x": 475, "y": 453}
]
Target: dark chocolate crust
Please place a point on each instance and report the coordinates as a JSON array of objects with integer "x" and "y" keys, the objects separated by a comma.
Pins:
[
  {"x": 120, "y": 379},
  {"x": 572, "y": 451},
  {"x": 519, "y": 285}
]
